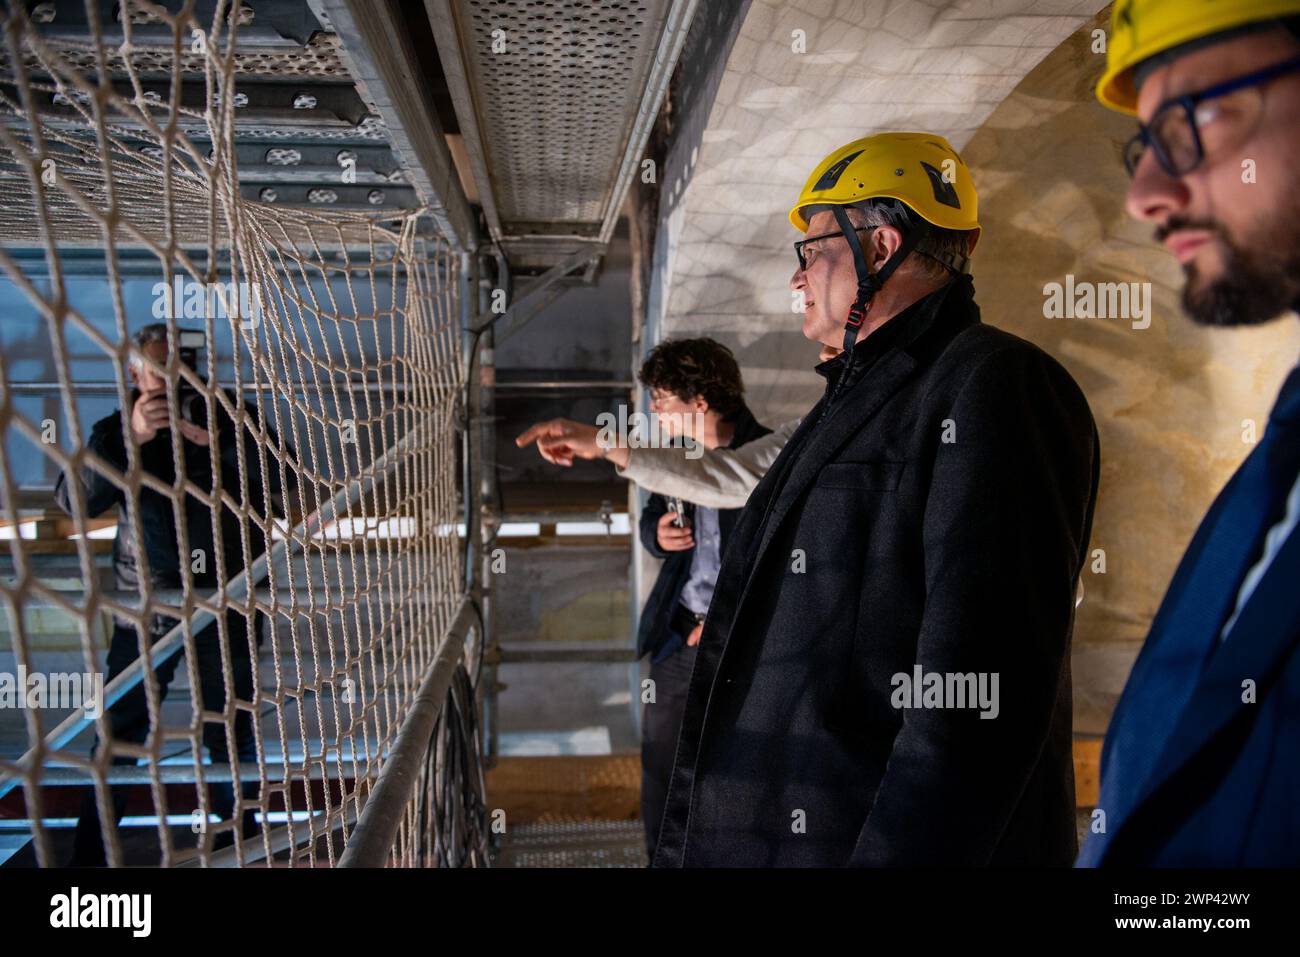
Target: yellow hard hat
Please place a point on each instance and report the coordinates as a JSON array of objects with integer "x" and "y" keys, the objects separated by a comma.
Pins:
[
  {"x": 921, "y": 170},
  {"x": 1140, "y": 29}
]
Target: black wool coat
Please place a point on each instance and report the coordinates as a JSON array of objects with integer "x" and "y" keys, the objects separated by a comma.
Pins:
[{"x": 936, "y": 513}]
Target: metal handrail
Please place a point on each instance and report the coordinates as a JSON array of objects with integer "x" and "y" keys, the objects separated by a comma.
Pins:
[{"x": 372, "y": 840}]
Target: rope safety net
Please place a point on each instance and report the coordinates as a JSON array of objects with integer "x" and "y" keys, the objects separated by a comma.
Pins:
[{"x": 286, "y": 567}]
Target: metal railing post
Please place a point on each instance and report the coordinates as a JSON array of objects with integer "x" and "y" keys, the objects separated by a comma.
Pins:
[{"x": 487, "y": 505}]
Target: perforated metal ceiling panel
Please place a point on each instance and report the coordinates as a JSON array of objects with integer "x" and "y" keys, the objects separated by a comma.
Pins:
[
  {"x": 318, "y": 59},
  {"x": 554, "y": 105},
  {"x": 553, "y": 97}
]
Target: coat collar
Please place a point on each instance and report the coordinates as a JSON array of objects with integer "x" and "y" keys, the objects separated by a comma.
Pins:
[
  {"x": 957, "y": 295},
  {"x": 745, "y": 427},
  {"x": 922, "y": 327}
]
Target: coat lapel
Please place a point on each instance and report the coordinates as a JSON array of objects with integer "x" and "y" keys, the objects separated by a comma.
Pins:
[
  {"x": 947, "y": 311},
  {"x": 857, "y": 406},
  {"x": 1186, "y": 685},
  {"x": 747, "y": 430},
  {"x": 748, "y": 524}
]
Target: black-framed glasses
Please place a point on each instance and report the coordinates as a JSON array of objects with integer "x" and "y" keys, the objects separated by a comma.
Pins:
[
  {"x": 798, "y": 247},
  {"x": 1174, "y": 133}
]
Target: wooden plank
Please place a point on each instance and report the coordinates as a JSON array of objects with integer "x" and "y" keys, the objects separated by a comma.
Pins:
[
  {"x": 1087, "y": 771},
  {"x": 566, "y": 788}
]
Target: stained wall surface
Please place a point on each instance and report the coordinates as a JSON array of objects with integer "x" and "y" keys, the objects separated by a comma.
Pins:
[{"x": 1011, "y": 86}]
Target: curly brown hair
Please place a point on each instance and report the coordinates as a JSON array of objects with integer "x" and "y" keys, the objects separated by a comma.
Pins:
[{"x": 696, "y": 367}]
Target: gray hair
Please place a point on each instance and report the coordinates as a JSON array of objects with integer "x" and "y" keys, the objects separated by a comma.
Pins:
[
  {"x": 939, "y": 247},
  {"x": 146, "y": 336}
]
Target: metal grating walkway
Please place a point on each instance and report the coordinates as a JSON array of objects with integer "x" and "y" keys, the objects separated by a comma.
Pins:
[
  {"x": 555, "y": 99},
  {"x": 574, "y": 844},
  {"x": 568, "y": 811}
]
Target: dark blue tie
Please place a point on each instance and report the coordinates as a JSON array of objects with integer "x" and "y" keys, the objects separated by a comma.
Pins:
[{"x": 1203, "y": 593}]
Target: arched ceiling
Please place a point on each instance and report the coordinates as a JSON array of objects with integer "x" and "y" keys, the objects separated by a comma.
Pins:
[{"x": 865, "y": 66}]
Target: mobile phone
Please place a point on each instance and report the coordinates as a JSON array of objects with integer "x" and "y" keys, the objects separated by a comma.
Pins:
[{"x": 675, "y": 505}]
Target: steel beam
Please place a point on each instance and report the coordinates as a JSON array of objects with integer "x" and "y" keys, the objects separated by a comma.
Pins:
[
  {"x": 109, "y": 387},
  {"x": 379, "y": 55},
  {"x": 277, "y": 772},
  {"x": 526, "y": 302},
  {"x": 598, "y": 386},
  {"x": 676, "y": 28},
  {"x": 447, "y": 37},
  {"x": 172, "y": 601},
  {"x": 549, "y": 652}
]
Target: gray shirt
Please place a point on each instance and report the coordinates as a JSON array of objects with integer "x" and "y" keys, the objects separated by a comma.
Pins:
[{"x": 697, "y": 593}]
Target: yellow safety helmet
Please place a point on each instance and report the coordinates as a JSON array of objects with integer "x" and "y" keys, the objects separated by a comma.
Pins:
[
  {"x": 1140, "y": 29},
  {"x": 921, "y": 170}
]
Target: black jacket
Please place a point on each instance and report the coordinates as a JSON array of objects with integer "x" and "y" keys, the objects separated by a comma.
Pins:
[
  {"x": 655, "y": 635},
  {"x": 936, "y": 514},
  {"x": 157, "y": 514}
]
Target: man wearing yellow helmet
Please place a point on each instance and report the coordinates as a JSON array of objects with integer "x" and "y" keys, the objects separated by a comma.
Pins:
[
  {"x": 883, "y": 675},
  {"x": 1199, "y": 764}
]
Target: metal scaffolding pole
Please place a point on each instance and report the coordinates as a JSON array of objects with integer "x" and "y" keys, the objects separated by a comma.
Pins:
[
  {"x": 380, "y": 55},
  {"x": 487, "y": 506},
  {"x": 472, "y": 483}
]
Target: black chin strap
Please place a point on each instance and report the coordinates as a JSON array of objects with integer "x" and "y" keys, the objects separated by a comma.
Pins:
[{"x": 869, "y": 283}]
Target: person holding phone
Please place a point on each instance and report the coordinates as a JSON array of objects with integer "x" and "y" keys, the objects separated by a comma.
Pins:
[
  {"x": 697, "y": 393},
  {"x": 156, "y": 558}
]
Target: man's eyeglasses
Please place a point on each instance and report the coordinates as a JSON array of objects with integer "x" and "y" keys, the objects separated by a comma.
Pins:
[
  {"x": 799, "y": 246},
  {"x": 1174, "y": 131}
]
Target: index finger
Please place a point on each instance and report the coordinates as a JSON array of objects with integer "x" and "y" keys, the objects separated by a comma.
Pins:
[{"x": 547, "y": 429}]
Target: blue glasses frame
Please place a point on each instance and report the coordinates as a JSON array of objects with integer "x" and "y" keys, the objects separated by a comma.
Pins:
[{"x": 1136, "y": 148}]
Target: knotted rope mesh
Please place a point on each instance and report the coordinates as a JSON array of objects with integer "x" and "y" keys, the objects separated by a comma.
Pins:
[{"x": 328, "y": 391}]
